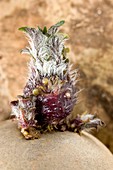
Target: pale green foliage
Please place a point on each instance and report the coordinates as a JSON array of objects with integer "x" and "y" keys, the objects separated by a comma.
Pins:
[{"x": 47, "y": 50}]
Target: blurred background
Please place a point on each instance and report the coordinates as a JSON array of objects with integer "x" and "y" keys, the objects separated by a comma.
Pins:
[{"x": 89, "y": 25}]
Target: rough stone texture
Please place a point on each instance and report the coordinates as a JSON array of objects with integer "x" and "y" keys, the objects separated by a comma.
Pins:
[
  {"x": 66, "y": 151},
  {"x": 89, "y": 25}
]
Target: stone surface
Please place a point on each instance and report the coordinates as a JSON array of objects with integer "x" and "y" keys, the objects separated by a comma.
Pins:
[
  {"x": 89, "y": 25},
  {"x": 55, "y": 151}
]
